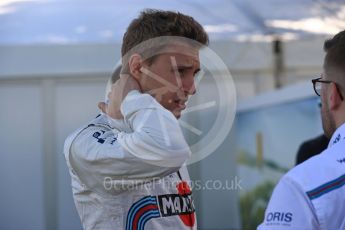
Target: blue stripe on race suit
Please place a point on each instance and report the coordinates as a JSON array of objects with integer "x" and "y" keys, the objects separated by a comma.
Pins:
[
  {"x": 136, "y": 207},
  {"x": 327, "y": 187},
  {"x": 146, "y": 217},
  {"x": 148, "y": 200}
]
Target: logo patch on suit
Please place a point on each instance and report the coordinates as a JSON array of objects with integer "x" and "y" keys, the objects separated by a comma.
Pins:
[{"x": 166, "y": 205}]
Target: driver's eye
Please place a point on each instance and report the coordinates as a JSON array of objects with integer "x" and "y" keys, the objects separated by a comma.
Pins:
[{"x": 180, "y": 71}]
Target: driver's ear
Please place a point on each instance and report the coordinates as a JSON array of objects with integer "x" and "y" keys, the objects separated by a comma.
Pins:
[
  {"x": 335, "y": 98},
  {"x": 135, "y": 64}
]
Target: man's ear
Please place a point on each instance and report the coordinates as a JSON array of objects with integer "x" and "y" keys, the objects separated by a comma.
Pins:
[
  {"x": 135, "y": 64},
  {"x": 335, "y": 99}
]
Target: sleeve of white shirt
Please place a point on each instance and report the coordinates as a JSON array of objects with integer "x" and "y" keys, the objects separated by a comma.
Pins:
[
  {"x": 155, "y": 148},
  {"x": 289, "y": 208},
  {"x": 157, "y": 137}
]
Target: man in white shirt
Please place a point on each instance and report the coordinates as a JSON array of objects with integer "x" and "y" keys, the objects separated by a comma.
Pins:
[
  {"x": 312, "y": 195},
  {"x": 128, "y": 165}
]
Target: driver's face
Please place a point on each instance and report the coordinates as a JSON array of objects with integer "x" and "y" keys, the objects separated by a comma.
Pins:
[{"x": 170, "y": 78}]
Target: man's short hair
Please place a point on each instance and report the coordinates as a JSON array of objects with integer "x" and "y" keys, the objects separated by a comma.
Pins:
[
  {"x": 156, "y": 23},
  {"x": 335, "y": 52}
]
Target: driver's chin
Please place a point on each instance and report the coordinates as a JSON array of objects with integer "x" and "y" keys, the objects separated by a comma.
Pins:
[
  {"x": 177, "y": 114},
  {"x": 175, "y": 111}
]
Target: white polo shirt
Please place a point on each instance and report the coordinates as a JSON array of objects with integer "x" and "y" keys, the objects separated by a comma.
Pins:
[{"x": 311, "y": 195}]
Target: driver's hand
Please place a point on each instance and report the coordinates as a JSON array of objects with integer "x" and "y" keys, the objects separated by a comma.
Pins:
[{"x": 119, "y": 91}]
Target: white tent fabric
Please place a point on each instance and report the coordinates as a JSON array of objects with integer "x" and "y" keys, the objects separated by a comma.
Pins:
[{"x": 89, "y": 21}]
